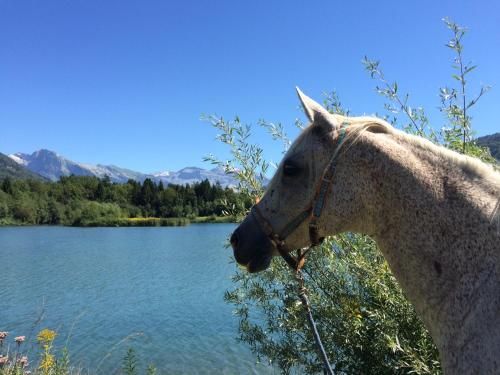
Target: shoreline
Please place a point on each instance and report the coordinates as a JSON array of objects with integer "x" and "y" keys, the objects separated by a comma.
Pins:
[{"x": 137, "y": 222}]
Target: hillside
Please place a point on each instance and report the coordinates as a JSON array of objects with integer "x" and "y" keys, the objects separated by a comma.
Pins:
[
  {"x": 491, "y": 141},
  {"x": 9, "y": 168}
]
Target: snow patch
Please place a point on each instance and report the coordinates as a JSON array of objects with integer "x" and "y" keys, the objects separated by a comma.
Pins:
[{"x": 18, "y": 160}]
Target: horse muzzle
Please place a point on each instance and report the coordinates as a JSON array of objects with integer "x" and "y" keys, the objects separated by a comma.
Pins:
[{"x": 251, "y": 246}]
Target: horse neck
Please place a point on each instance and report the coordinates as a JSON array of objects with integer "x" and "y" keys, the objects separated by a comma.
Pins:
[{"x": 432, "y": 223}]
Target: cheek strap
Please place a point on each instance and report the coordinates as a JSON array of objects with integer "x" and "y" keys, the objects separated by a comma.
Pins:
[{"x": 313, "y": 213}]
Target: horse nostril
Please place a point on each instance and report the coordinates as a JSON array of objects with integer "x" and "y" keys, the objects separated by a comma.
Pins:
[{"x": 234, "y": 239}]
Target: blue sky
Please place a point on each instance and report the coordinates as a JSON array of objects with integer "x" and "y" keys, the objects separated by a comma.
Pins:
[{"x": 125, "y": 82}]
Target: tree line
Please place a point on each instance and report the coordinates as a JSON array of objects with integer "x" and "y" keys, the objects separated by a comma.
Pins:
[{"x": 81, "y": 200}]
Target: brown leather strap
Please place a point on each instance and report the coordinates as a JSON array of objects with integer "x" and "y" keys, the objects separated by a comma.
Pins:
[{"x": 313, "y": 212}]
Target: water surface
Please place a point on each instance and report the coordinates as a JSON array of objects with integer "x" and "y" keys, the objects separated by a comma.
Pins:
[{"x": 158, "y": 290}]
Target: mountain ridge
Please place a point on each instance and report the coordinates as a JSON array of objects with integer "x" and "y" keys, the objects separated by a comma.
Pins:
[
  {"x": 10, "y": 168},
  {"x": 492, "y": 141},
  {"x": 52, "y": 166}
]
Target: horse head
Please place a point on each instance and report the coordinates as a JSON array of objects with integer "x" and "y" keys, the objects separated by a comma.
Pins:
[{"x": 289, "y": 215}]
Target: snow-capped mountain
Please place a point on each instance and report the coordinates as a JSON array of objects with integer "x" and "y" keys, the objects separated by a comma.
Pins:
[
  {"x": 52, "y": 166},
  {"x": 115, "y": 174},
  {"x": 190, "y": 175},
  {"x": 10, "y": 168},
  {"x": 49, "y": 164},
  {"x": 18, "y": 159}
]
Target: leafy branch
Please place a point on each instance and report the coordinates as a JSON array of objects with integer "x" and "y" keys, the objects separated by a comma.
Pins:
[
  {"x": 454, "y": 100},
  {"x": 277, "y": 133},
  {"x": 419, "y": 123},
  {"x": 247, "y": 164}
]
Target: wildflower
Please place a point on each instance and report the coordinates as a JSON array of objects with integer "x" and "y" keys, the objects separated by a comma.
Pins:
[
  {"x": 3, "y": 335},
  {"x": 23, "y": 361},
  {"x": 3, "y": 359},
  {"x": 20, "y": 339},
  {"x": 46, "y": 336},
  {"x": 47, "y": 362}
]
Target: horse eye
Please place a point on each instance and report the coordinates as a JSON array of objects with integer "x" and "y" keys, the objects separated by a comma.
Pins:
[{"x": 290, "y": 169}]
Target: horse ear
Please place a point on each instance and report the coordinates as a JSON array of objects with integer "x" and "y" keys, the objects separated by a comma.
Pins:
[{"x": 315, "y": 112}]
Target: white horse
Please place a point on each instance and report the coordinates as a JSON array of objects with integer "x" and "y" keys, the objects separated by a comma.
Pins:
[{"x": 433, "y": 213}]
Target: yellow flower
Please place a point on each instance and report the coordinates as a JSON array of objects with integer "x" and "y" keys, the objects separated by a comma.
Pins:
[
  {"x": 47, "y": 362},
  {"x": 46, "y": 336}
]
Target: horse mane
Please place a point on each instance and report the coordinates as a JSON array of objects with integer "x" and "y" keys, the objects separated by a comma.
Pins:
[{"x": 469, "y": 165}]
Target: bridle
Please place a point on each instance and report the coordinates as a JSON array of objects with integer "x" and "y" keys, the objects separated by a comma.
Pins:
[{"x": 312, "y": 212}]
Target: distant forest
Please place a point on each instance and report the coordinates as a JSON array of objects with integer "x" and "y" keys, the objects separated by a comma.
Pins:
[{"x": 88, "y": 201}]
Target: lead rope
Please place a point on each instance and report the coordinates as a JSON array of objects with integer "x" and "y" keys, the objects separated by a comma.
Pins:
[{"x": 296, "y": 265}]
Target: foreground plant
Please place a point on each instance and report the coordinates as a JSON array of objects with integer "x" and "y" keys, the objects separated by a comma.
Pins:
[
  {"x": 12, "y": 362},
  {"x": 130, "y": 364},
  {"x": 16, "y": 362}
]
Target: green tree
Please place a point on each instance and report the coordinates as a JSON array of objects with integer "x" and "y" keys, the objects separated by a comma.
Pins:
[
  {"x": 25, "y": 210},
  {"x": 7, "y": 185},
  {"x": 4, "y": 208},
  {"x": 148, "y": 195}
]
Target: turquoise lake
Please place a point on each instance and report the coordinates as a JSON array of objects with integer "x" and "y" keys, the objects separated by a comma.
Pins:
[{"x": 158, "y": 290}]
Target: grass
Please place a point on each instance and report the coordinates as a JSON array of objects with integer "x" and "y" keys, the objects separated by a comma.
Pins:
[
  {"x": 157, "y": 221},
  {"x": 215, "y": 219},
  {"x": 10, "y": 221},
  {"x": 136, "y": 222}
]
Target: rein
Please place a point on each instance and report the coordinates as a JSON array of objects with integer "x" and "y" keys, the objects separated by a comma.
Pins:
[{"x": 313, "y": 213}]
